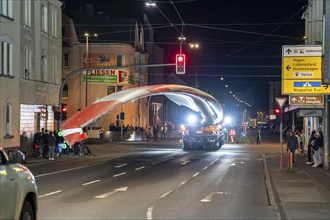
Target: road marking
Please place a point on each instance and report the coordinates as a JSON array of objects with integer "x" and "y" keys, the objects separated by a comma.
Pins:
[
  {"x": 49, "y": 194},
  {"x": 95, "y": 181},
  {"x": 196, "y": 174},
  {"x": 121, "y": 165},
  {"x": 234, "y": 164},
  {"x": 165, "y": 194},
  {"x": 105, "y": 195},
  {"x": 214, "y": 161},
  {"x": 149, "y": 213},
  {"x": 185, "y": 162},
  {"x": 119, "y": 174},
  {"x": 205, "y": 168},
  {"x": 66, "y": 170},
  {"x": 209, "y": 197},
  {"x": 140, "y": 168}
]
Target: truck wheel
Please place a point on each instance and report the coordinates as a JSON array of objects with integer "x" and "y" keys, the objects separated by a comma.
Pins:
[{"x": 27, "y": 212}]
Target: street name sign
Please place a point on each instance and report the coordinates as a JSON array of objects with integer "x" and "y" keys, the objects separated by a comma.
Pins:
[
  {"x": 306, "y": 100},
  {"x": 302, "y": 70}
]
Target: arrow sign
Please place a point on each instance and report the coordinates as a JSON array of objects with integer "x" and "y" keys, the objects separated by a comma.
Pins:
[
  {"x": 209, "y": 197},
  {"x": 326, "y": 86},
  {"x": 288, "y": 51},
  {"x": 103, "y": 196},
  {"x": 288, "y": 67}
]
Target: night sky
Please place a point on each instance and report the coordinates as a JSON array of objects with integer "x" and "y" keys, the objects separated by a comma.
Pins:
[{"x": 240, "y": 40}]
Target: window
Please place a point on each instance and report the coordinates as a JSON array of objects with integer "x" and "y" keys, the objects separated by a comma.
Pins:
[
  {"x": 53, "y": 70},
  {"x": 6, "y": 58},
  {"x": 65, "y": 91},
  {"x": 6, "y": 8},
  {"x": 28, "y": 64},
  {"x": 54, "y": 23},
  {"x": 43, "y": 69},
  {"x": 120, "y": 60},
  {"x": 44, "y": 18},
  {"x": 9, "y": 119},
  {"x": 27, "y": 13},
  {"x": 66, "y": 60}
]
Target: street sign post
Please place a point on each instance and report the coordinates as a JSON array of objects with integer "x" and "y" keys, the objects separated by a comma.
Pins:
[{"x": 302, "y": 70}]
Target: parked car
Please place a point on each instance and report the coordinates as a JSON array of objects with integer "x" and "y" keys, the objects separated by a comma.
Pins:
[{"x": 18, "y": 189}]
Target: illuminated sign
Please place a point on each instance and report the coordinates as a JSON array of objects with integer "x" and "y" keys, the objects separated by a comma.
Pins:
[{"x": 302, "y": 70}]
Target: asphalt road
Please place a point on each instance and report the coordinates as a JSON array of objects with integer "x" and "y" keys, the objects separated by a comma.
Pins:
[{"x": 156, "y": 181}]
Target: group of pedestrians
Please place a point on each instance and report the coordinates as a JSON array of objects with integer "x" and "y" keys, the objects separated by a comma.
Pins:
[{"x": 47, "y": 144}]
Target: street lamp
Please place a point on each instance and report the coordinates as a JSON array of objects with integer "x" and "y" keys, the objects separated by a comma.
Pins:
[{"x": 87, "y": 61}]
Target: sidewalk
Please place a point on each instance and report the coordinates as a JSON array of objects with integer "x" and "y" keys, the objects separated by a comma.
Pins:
[{"x": 301, "y": 194}]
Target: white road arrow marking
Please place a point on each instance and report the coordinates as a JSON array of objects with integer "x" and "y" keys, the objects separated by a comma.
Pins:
[
  {"x": 234, "y": 164},
  {"x": 185, "y": 162},
  {"x": 209, "y": 197},
  {"x": 149, "y": 213},
  {"x": 105, "y": 195}
]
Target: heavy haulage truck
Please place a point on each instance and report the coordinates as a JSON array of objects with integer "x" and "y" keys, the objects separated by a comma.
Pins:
[{"x": 201, "y": 137}]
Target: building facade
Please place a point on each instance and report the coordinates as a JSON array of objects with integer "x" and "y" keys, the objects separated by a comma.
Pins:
[
  {"x": 118, "y": 66},
  {"x": 31, "y": 50}
]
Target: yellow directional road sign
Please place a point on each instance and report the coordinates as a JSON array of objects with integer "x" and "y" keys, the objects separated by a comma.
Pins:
[
  {"x": 302, "y": 67},
  {"x": 304, "y": 87},
  {"x": 302, "y": 70}
]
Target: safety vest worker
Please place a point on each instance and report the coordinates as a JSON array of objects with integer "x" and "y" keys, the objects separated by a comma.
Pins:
[{"x": 232, "y": 134}]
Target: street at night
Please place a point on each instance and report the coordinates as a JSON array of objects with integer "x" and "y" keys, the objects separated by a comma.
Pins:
[{"x": 139, "y": 180}]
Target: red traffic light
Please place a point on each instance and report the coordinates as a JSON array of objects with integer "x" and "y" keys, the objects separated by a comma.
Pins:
[
  {"x": 180, "y": 64},
  {"x": 277, "y": 111},
  {"x": 64, "y": 109}
]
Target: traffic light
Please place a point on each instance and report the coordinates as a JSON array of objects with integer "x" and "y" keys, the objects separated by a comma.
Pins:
[
  {"x": 277, "y": 111},
  {"x": 180, "y": 64},
  {"x": 57, "y": 115},
  {"x": 64, "y": 111}
]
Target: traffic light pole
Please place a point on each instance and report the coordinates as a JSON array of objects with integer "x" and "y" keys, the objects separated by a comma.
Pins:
[{"x": 281, "y": 141}]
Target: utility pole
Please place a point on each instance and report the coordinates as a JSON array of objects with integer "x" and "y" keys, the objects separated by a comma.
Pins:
[{"x": 326, "y": 80}]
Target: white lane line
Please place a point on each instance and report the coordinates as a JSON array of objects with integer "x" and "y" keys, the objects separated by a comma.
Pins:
[
  {"x": 149, "y": 213},
  {"x": 49, "y": 194},
  {"x": 121, "y": 165},
  {"x": 205, "y": 168},
  {"x": 119, "y": 174},
  {"x": 196, "y": 174},
  {"x": 95, "y": 181},
  {"x": 214, "y": 161},
  {"x": 62, "y": 171},
  {"x": 140, "y": 168},
  {"x": 165, "y": 194}
]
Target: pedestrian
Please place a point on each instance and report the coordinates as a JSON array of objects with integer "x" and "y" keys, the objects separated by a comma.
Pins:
[
  {"x": 101, "y": 137},
  {"x": 292, "y": 145},
  {"x": 24, "y": 143},
  {"x": 309, "y": 148},
  {"x": 297, "y": 135},
  {"x": 155, "y": 132},
  {"x": 51, "y": 145},
  {"x": 45, "y": 144},
  {"x": 60, "y": 142},
  {"x": 232, "y": 134},
  {"x": 258, "y": 136},
  {"x": 317, "y": 147}
]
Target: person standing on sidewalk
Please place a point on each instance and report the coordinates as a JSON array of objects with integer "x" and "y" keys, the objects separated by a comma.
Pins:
[
  {"x": 318, "y": 148},
  {"x": 24, "y": 143},
  {"x": 258, "y": 136},
  {"x": 51, "y": 145},
  {"x": 309, "y": 148},
  {"x": 292, "y": 144},
  {"x": 45, "y": 143}
]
